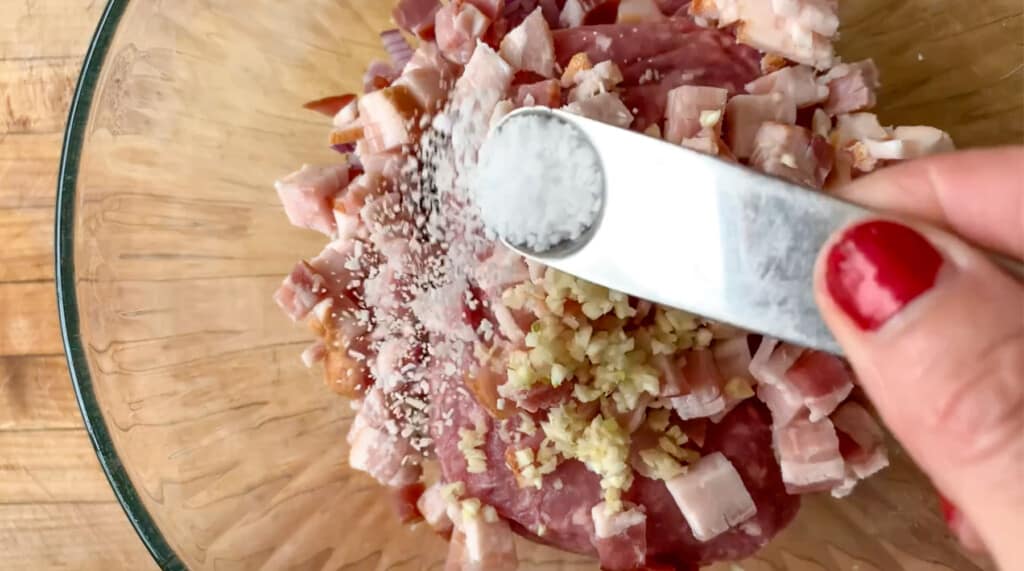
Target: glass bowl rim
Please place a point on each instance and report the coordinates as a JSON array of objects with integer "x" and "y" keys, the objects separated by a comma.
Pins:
[{"x": 67, "y": 297}]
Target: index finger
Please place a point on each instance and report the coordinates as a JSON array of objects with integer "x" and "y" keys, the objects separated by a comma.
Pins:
[{"x": 978, "y": 194}]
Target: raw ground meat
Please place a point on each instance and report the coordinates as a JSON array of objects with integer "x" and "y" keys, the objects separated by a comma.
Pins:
[{"x": 744, "y": 437}]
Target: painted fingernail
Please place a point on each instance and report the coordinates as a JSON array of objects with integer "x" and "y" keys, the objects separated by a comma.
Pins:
[
  {"x": 961, "y": 528},
  {"x": 877, "y": 268}
]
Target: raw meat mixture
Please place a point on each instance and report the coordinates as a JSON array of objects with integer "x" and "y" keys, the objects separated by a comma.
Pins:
[{"x": 556, "y": 409}]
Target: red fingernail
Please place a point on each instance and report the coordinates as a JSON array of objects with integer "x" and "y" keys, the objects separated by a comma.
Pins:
[
  {"x": 961, "y": 528},
  {"x": 877, "y": 268},
  {"x": 949, "y": 511}
]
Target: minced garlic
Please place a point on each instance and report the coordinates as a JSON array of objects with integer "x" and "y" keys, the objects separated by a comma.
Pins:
[{"x": 470, "y": 441}]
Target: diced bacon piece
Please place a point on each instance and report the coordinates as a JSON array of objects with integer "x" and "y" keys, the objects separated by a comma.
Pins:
[
  {"x": 488, "y": 543},
  {"x": 851, "y": 87},
  {"x": 301, "y": 291},
  {"x": 910, "y": 143},
  {"x": 724, "y": 12},
  {"x": 771, "y": 63},
  {"x": 379, "y": 74},
  {"x": 620, "y": 537},
  {"x": 416, "y": 16},
  {"x": 347, "y": 340},
  {"x": 798, "y": 83},
  {"x": 858, "y": 127},
  {"x": 772, "y": 359},
  {"x": 503, "y": 108},
  {"x": 808, "y": 453},
  {"x": 426, "y": 86},
  {"x": 712, "y": 497},
  {"x": 429, "y": 56},
  {"x": 547, "y": 93},
  {"x": 821, "y": 123},
  {"x": 865, "y": 450},
  {"x": 765, "y": 30},
  {"x": 390, "y": 117},
  {"x": 784, "y": 404},
  {"x": 822, "y": 380},
  {"x": 490, "y": 8},
  {"x": 606, "y": 108},
  {"x": 692, "y": 109},
  {"x": 635, "y": 11},
  {"x": 576, "y": 13},
  {"x": 405, "y": 500},
  {"x": 307, "y": 196},
  {"x": 786, "y": 151},
  {"x": 818, "y": 16},
  {"x": 744, "y": 115},
  {"x": 601, "y": 78},
  {"x": 485, "y": 81},
  {"x": 386, "y": 457},
  {"x": 314, "y": 354},
  {"x": 733, "y": 358},
  {"x": 707, "y": 143},
  {"x": 346, "y": 115},
  {"x": 579, "y": 62},
  {"x": 344, "y": 137},
  {"x": 458, "y": 27},
  {"x": 673, "y": 383},
  {"x": 530, "y": 47},
  {"x": 434, "y": 508},
  {"x": 704, "y": 397}
]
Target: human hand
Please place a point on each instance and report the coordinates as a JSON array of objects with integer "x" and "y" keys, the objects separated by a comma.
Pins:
[{"x": 935, "y": 330}]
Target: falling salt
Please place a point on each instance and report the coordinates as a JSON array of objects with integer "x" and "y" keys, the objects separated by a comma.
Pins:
[{"x": 538, "y": 183}]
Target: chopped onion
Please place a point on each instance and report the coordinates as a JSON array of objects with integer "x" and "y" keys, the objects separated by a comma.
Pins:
[{"x": 397, "y": 46}]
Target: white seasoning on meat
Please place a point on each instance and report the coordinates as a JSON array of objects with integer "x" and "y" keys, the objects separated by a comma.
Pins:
[{"x": 539, "y": 183}]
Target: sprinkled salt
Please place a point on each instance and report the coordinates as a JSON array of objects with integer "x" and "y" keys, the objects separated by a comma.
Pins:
[{"x": 539, "y": 183}]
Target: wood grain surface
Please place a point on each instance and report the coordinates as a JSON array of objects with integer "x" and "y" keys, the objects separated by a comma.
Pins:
[
  {"x": 57, "y": 510},
  {"x": 223, "y": 508}
]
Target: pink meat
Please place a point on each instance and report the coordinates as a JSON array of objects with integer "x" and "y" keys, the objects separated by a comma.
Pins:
[
  {"x": 851, "y": 87},
  {"x": 784, "y": 404},
  {"x": 733, "y": 357},
  {"x": 547, "y": 93},
  {"x": 861, "y": 441},
  {"x": 686, "y": 105},
  {"x": 625, "y": 44},
  {"x": 744, "y": 437},
  {"x": 301, "y": 291},
  {"x": 787, "y": 151},
  {"x": 704, "y": 397},
  {"x": 822, "y": 380},
  {"x": 416, "y": 16},
  {"x": 798, "y": 83},
  {"x": 673, "y": 383},
  {"x": 576, "y": 13},
  {"x": 308, "y": 196},
  {"x": 745, "y": 114},
  {"x": 809, "y": 455},
  {"x": 606, "y": 108},
  {"x": 458, "y": 27},
  {"x": 712, "y": 497},
  {"x": 620, "y": 538},
  {"x": 529, "y": 46}
]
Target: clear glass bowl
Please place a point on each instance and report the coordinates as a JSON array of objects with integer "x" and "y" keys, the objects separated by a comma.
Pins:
[{"x": 224, "y": 450}]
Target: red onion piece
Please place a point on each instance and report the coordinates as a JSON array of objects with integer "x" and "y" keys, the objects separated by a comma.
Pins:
[{"x": 397, "y": 46}]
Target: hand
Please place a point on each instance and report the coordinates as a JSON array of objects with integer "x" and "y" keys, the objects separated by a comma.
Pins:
[{"x": 935, "y": 330}]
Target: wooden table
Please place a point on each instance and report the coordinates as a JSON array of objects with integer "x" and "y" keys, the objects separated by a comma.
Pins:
[{"x": 56, "y": 509}]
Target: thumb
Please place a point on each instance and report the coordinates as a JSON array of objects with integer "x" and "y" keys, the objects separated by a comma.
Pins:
[{"x": 935, "y": 332}]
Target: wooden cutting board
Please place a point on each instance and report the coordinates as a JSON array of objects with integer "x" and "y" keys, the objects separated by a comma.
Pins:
[{"x": 56, "y": 509}]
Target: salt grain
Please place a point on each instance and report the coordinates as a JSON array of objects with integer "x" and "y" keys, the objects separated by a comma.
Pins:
[{"x": 539, "y": 183}]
